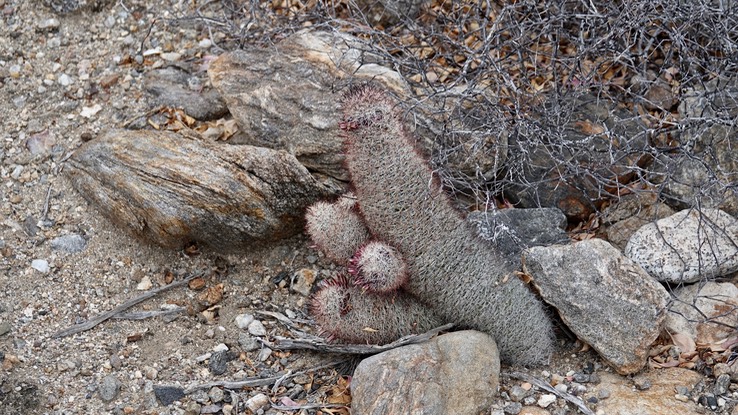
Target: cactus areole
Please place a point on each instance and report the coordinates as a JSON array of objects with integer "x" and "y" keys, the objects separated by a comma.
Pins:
[{"x": 450, "y": 270}]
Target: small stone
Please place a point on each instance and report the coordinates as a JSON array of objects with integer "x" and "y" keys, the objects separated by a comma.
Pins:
[
  {"x": 248, "y": 343},
  {"x": 5, "y": 328},
  {"x": 264, "y": 354},
  {"x": 681, "y": 398},
  {"x": 257, "y": 402},
  {"x": 14, "y": 71},
  {"x": 682, "y": 390},
  {"x": 89, "y": 112},
  {"x": 216, "y": 395},
  {"x": 192, "y": 408},
  {"x": 171, "y": 56},
  {"x": 304, "y": 280},
  {"x": 144, "y": 284},
  {"x": 603, "y": 394},
  {"x": 708, "y": 401},
  {"x": 218, "y": 362},
  {"x": 243, "y": 321},
  {"x": 40, "y": 265},
  {"x": 220, "y": 347},
  {"x": 210, "y": 409},
  {"x": 722, "y": 383},
  {"x": 642, "y": 383},
  {"x": 166, "y": 395},
  {"x": 64, "y": 80},
  {"x": 513, "y": 408},
  {"x": 150, "y": 372},
  {"x": 204, "y": 44},
  {"x": 561, "y": 388},
  {"x": 49, "y": 24},
  {"x": 581, "y": 378},
  {"x": 257, "y": 328},
  {"x": 109, "y": 388},
  {"x": 545, "y": 400},
  {"x": 517, "y": 393},
  {"x": 71, "y": 243}
]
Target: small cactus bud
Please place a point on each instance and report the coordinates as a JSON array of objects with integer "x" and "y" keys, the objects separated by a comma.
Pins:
[
  {"x": 347, "y": 314},
  {"x": 378, "y": 267},
  {"x": 336, "y": 229}
]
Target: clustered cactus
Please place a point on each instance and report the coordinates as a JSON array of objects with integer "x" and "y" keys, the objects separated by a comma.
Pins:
[{"x": 424, "y": 260}]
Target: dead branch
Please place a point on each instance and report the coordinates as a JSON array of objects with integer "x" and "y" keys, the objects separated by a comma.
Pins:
[{"x": 94, "y": 321}]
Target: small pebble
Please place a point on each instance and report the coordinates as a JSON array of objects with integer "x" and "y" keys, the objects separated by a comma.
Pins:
[
  {"x": 517, "y": 393},
  {"x": 64, "y": 80},
  {"x": 144, "y": 284},
  {"x": 71, "y": 243},
  {"x": 220, "y": 347},
  {"x": 218, "y": 362},
  {"x": 257, "y": 402},
  {"x": 49, "y": 24},
  {"x": 641, "y": 383},
  {"x": 171, "y": 56},
  {"x": 722, "y": 383},
  {"x": 243, "y": 321},
  {"x": 14, "y": 71},
  {"x": 545, "y": 400},
  {"x": 216, "y": 395},
  {"x": 561, "y": 388},
  {"x": 257, "y": 328},
  {"x": 5, "y": 328},
  {"x": 40, "y": 265},
  {"x": 248, "y": 343},
  {"x": 264, "y": 354},
  {"x": 205, "y": 43},
  {"x": 150, "y": 372},
  {"x": 109, "y": 388},
  {"x": 681, "y": 398},
  {"x": 603, "y": 394},
  {"x": 513, "y": 408},
  {"x": 166, "y": 395}
]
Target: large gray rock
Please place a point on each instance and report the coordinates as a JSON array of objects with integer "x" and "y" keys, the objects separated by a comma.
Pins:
[
  {"x": 288, "y": 98},
  {"x": 606, "y": 299},
  {"x": 174, "y": 190},
  {"x": 687, "y": 246},
  {"x": 706, "y": 312},
  {"x": 456, "y": 373},
  {"x": 705, "y": 170},
  {"x": 513, "y": 230}
]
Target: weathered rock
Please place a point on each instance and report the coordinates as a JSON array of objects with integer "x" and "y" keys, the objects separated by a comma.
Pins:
[
  {"x": 706, "y": 312},
  {"x": 455, "y": 373},
  {"x": 513, "y": 230},
  {"x": 285, "y": 98},
  {"x": 173, "y": 87},
  {"x": 173, "y": 190},
  {"x": 571, "y": 176},
  {"x": 687, "y": 246},
  {"x": 704, "y": 172},
  {"x": 109, "y": 388},
  {"x": 71, "y": 243},
  {"x": 606, "y": 299},
  {"x": 166, "y": 395},
  {"x": 631, "y": 213},
  {"x": 657, "y": 400}
]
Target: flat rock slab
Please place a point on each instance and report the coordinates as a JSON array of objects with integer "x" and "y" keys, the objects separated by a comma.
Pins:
[
  {"x": 705, "y": 312},
  {"x": 687, "y": 246},
  {"x": 456, "y": 373},
  {"x": 659, "y": 399},
  {"x": 175, "y": 190},
  {"x": 606, "y": 299}
]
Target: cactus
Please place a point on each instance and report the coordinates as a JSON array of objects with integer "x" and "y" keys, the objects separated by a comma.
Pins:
[
  {"x": 345, "y": 312},
  {"x": 336, "y": 228},
  {"x": 379, "y": 268},
  {"x": 451, "y": 271}
]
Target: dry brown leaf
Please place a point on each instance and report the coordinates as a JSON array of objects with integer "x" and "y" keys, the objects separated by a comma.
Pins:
[
  {"x": 589, "y": 128},
  {"x": 684, "y": 342}
]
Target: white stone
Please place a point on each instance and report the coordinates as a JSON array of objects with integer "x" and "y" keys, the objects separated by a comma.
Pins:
[
  {"x": 220, "y": 347},
  {"x": 40, "y": 265},
  {"x": 144, "y": 284},
  {"x": 257, "y": 328},
  {"x": 65, "y": 80},
  {"x": 243, "y": 321},
  {"x": 545, "y": 400},
  {"x": 257, "y": 402}
]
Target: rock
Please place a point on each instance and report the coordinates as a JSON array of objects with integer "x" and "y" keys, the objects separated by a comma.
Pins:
[
  {"x": 109, "y": 388},
  {"x": 166, "y": 395},
  {"x": 144, "y": 284},
  {"x": 631, "y": 213},
  {"x": 71, "y": 243},
  {"x": 173, "y": 190},
  {"x": 219, "y": 362},
  {"x": 659, "y": 399},
  {"x": 243, "y": 321},
  {"x": 571, "y": 176},
  {"x": 722, "y": 384},
  {"x": 454, "y": 373},
  {"x": 304, "y": 280},
  {"x": 257, "y": 328},
  {"x": 40, "y": 265},
  {"x": 704, "y": 171},
  {"x": 285, "y": 98},
  {"x": 705, "y": 312},
  {"x": 170, "y": 87},
  {"x": 546, "y": 400},
  {"x": 247, "y": 343},
  {"x": 513, "y": 230},
  {"x": 5, "y": 328},
  {"x": 69, "y": 6},
  {"x": 257, "y": 402},
  {"x": 606, "y": 299},
  {"x": 687, "y": 246}
]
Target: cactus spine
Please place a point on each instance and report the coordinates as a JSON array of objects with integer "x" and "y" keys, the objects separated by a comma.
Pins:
[{"x": 450, "y": 270}]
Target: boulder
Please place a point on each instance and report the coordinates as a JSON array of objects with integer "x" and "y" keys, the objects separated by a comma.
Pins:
[
  {"x": 456, "y": 373},
  {"x": 606, "y": 299},
  {"x": 174, "y": 190},
  {"x": 687, "y": 246},
  {"x": 513, "y": 230},
  {"x": 659, "y": 399},
  {"x": 704, "y": 171},
  {"x": 624, "y": 217},
  {"x": 705, "y": 312}
]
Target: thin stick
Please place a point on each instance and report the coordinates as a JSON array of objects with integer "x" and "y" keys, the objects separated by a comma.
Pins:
[
  {"x": 321, "y": 345},
  {"x": 544, "y": 385},
  {"x": 254, "y": 381},
  {"x": 142, "y": 315},
  {"x": 94, "y": 321}
]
